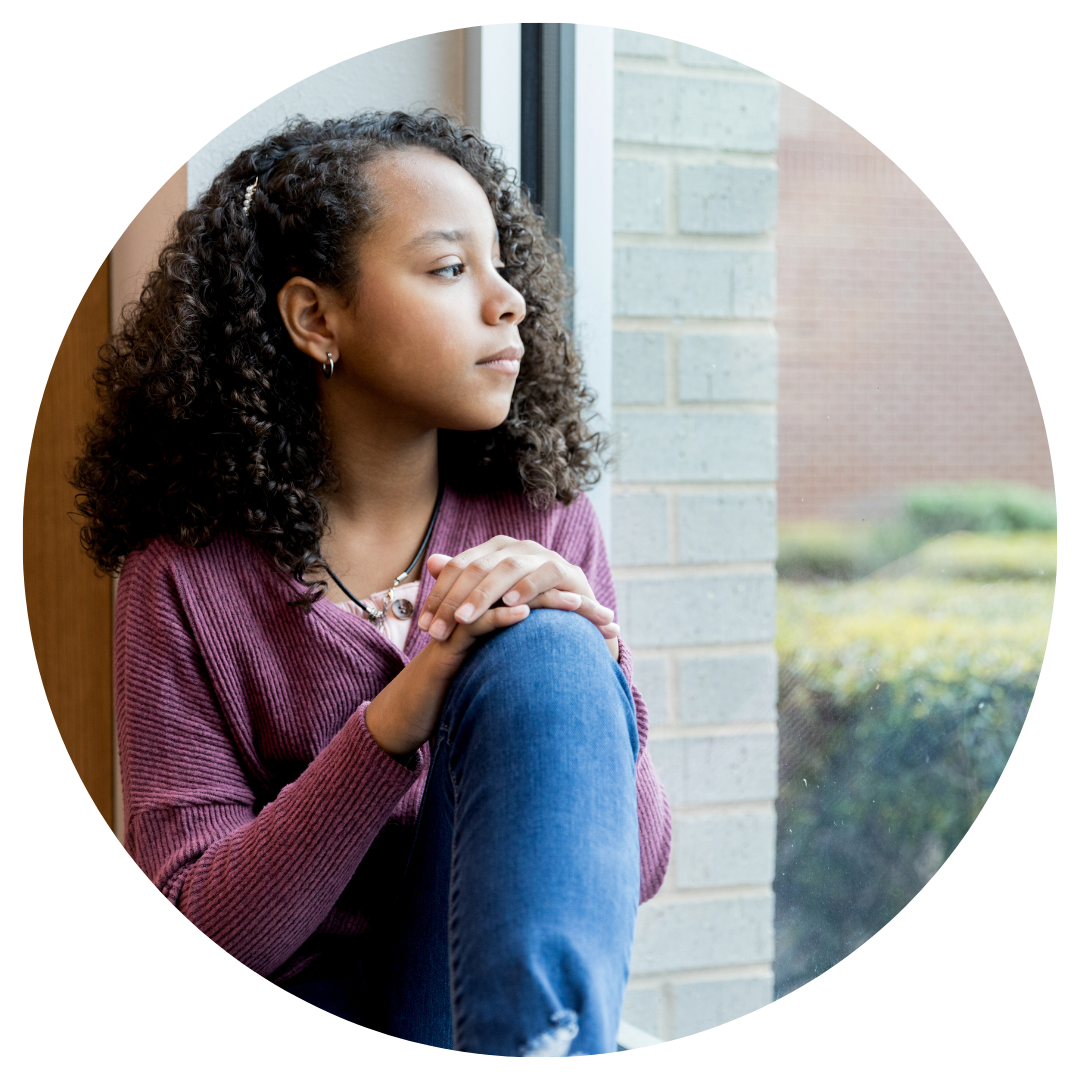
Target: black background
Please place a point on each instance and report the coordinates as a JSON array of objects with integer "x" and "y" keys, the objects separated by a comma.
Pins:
[{"x": 104, "y": 969}]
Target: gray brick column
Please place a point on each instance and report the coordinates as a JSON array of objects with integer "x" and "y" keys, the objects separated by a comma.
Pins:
[{"x": 694, "y": 509}]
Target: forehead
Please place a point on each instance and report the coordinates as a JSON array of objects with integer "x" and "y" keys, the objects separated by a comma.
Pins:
[{"x": 417, "y": 190}]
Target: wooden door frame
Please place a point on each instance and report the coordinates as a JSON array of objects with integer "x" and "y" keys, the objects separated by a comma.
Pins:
[{"x": 69, "y": 603}]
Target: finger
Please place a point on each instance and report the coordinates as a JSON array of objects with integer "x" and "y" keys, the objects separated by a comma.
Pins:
[
  {"x": 554, "y": 573},
  {"x": 558, "y": 599},
  {"x": 465, "y": 634},
  {"x": 565, "y": 601},
  {"x": 467, "y": 582},
  {"x": 449, "y": 571},
  {"x": 591, "y": 609},
  {"x": 513, "y": 565},
  {"x": 478, "y": 586},
  {"x": 436, "y": 563},
  {"x": 595, "y": 612},
  {"x": 496, "y": 619},
  {"x": 446, "y": 572},
  {"x": 550, "y": 573}
]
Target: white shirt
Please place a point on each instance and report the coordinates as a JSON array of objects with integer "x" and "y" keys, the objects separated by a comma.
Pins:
[{"x": 397, "y": 630}]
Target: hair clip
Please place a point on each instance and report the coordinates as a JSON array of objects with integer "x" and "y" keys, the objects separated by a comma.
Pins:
[{"x": 247, "y": 196}]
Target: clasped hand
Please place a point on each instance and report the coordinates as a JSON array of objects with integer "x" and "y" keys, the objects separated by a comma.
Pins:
[
  {"x": 519, "y": 574},
  {"x": 481, "y": 590}
]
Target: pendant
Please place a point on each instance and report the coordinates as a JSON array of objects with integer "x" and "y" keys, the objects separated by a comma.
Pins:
[
  {"x": 372, "y": 612},
  {"x": 401, "y": 609}
]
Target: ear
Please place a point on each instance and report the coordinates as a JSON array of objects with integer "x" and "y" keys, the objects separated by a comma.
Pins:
[{"x": 309, "y": 313}]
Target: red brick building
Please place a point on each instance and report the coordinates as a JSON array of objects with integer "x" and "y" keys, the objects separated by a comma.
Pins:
[{"x": 896, "y": 363}]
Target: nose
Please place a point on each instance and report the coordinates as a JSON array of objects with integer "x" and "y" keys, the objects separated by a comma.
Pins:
[{"x": 503, "y": 303}]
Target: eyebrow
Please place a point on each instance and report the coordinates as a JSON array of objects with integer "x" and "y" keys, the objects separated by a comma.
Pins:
[{"x": 437, "y": 234}]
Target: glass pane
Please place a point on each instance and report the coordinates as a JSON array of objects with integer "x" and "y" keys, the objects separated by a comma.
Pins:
[{"x": 917, "y": 541}]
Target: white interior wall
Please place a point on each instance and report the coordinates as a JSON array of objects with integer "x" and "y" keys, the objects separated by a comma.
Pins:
[
  {"x": 414, "y": 74},
  {"x": 493, "y": 86}
]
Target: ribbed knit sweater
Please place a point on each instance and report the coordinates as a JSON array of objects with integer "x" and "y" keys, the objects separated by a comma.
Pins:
[{"x": 254, "y": 796}]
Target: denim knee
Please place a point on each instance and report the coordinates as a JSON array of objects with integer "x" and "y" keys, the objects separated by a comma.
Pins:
[
  {"x": 570, "y": 628},
  {"x": 561, "y": 640},
  {"x": 540, "y": 661}
]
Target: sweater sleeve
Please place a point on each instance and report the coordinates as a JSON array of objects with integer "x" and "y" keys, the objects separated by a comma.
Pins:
[
  {"x": 257, "y": 879},
  {"x": 580, "y": 541}
]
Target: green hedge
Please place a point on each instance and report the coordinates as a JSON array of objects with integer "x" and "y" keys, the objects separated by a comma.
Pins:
[
  {"x": 845, "y": 551},
  {"x": 842, "y": 551},
  {"x": 990, "y": 506},
  {"x": 985, "y": 556},
  {"x": 900, "y": 701}
]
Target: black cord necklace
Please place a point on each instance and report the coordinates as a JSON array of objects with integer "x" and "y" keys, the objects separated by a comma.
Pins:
[{"x": 400, "y": 609}]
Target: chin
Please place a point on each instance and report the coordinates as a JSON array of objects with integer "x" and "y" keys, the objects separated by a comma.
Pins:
[{"x": 478, "y": 419}]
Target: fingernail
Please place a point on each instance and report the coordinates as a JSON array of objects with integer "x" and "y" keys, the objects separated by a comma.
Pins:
[
  {"x": 607, "y": 612},
  {"x": 425, "y": 620},
  {"x": 438, "y": 629},
  {"x": 511, "y": 598},
  {"x": 464, "y": 613}
]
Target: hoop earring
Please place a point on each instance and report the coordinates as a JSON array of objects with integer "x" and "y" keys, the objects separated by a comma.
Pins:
[{"x": 328, "y": 368}]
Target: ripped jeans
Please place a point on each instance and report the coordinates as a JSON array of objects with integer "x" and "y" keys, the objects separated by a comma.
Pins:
[{"x": 513, "y": 925}]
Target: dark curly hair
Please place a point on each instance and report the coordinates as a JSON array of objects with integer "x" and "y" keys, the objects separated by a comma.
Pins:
[{"x": 209, "y": 415}]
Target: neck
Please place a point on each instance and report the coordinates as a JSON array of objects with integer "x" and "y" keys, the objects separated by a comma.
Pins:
[
  {"x": 388, "y": 473},
  {"x": 387, "y": 469}
]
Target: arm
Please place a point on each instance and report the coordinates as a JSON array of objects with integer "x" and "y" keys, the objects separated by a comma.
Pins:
[{"x": 257, "y": 879}]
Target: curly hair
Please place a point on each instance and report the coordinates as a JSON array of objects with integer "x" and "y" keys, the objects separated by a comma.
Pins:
[{"x": 210, "y": 417}]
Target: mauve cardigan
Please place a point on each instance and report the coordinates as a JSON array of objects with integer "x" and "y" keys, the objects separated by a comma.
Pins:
[{"x": 254, "y": 796}]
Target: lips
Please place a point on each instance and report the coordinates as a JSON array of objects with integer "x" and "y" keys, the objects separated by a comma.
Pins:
[{"x": 508, "y": 361}]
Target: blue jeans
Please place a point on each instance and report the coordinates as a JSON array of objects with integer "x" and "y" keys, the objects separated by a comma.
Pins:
[{"x": 512, "y": 927}]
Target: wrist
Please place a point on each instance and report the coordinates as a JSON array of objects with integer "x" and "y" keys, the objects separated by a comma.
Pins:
[
  {"x": 386, "y": 737},
  {"x": 404, "y": 714}
]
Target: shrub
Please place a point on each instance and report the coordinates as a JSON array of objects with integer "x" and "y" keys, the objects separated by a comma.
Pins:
[
  {"x": 840, "y": 550},
  {"x": 846, "y": 550},
  {"x": 985, "y": 556},
  {"x": 989, "y": 506},
  {"x": 900, "y": 701}
]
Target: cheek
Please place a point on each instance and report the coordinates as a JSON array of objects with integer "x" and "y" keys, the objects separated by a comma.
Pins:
[
  {"x": 437, "y": 334},
  {"x": 383, "y": 312},
  {"x": 415, "y": 323}
]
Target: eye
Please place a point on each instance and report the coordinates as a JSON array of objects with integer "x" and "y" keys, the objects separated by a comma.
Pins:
[{"x": 454, "y": 270}]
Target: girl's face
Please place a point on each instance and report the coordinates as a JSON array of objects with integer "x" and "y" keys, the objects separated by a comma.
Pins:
[{"x": 432, "y": 330}]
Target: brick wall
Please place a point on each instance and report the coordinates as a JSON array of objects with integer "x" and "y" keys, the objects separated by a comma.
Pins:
[
  {"x": 694, "y": 509},
  {"x": 897, "y": 363}
]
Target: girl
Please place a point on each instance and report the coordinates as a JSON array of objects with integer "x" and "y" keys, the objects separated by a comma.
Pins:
[{"x": 414, "y": 792}]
